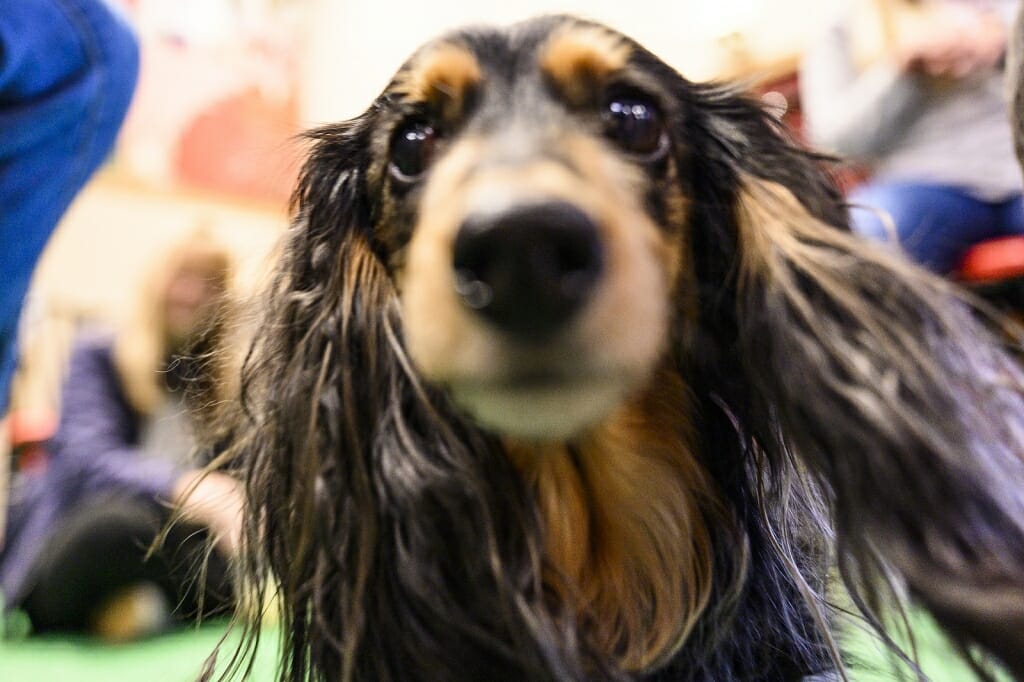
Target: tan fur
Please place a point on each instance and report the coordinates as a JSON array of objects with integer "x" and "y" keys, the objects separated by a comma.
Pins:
[
  {"x": 625, "y": 536},
  {"x": 442, "y": 76},
  {"x": 577, "y": 58},
  {"x": 781, "y": 240},
  {"x": 777, "y": 234},
  {"x": 679, "y": 257},
  {"x": 624, "y": 327}
]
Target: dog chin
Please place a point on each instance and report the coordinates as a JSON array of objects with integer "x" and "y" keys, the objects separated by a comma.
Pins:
[{"x": 539, "y": 412}]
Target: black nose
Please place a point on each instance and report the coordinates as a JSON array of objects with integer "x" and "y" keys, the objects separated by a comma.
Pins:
[{"x": 529, "y": 269}]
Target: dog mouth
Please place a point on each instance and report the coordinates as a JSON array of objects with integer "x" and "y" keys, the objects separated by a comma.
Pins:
[
  {"x": 537, "y": 403},
  {"x": 535, "y": 380}
]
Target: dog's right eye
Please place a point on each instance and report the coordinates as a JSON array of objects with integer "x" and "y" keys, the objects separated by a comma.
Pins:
[{"x": 411, "y": 150}]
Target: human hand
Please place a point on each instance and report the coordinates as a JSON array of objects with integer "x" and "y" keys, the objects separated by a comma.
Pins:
[
  {"x": 215, "y": 500},
  {"x": 954, "y": 45}
]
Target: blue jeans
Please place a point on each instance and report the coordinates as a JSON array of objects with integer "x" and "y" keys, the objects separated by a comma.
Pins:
[
  {"x": 67, "y": 73},
  {"x": 935, "y": 225}
]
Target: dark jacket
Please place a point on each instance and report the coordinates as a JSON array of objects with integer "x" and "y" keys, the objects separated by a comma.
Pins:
[{"x": 95, "y": 453}]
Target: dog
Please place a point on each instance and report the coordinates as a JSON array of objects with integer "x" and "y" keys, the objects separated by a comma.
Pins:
[{"x": 571, "y": 370}]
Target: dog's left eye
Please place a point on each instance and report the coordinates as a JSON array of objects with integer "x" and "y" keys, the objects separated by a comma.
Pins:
[
  {"x": 636, "y": 125},
  {"x": 411, "y": 150}
]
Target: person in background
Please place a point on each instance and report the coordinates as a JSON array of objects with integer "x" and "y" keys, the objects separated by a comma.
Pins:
[
  {"x": 68, "y": 69},
  {"x": 1015, "y": 82},
  {"x": 76, "y": 556},
  {"x": 913, "y": 89}
]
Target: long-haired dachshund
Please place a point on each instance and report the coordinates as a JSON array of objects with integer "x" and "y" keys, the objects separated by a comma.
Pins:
[{"x": 572, "y": 371}]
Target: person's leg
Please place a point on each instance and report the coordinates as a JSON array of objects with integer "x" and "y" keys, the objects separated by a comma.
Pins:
[
  {"x": 198, "y": 576},
  {"x": 1011, "y": 216},
  {"x": 935, "y": 225},
  {"x": 97, "y": 553},
  {"x": 98, "y": 559}
]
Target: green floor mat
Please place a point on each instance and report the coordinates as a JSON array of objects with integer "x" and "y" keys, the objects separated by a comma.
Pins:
[
  {"x": 872, "y": 663},
  {"x": 175, "y": 657},
  {"x": 179, "y": 657}
]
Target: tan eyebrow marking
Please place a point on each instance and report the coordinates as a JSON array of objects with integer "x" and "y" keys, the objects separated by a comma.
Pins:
[
  {"x": 441, "y": 76},
  {"x": 579, "y": 58}
]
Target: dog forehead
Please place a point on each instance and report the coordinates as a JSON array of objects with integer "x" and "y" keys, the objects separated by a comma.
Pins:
[{"x": 562, "y": 51}]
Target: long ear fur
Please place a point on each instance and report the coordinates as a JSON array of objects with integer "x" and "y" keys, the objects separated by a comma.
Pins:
[
  {"x": 366, "y": 491},
  {"x": 872, "y": 371}
]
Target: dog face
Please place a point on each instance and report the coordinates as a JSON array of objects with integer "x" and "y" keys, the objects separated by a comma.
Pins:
[{"x": 530, "y": 211}]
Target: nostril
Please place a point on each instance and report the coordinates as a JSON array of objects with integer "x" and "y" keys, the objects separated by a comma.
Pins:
[
  {"x": 574, "y": 257},
  {"x": 529, "y": 269},
  {"x": 474, "y": 291},
  {"x": 475, "y": 258}
]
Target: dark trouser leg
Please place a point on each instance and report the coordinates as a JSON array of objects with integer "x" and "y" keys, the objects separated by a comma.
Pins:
[
  {"x": 101, "y": 549},
  {"x": 935, "y": 225}
]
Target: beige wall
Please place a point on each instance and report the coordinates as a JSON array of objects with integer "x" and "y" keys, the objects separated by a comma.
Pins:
[
  {"x": 114, "y": 231},
  {"x": 101, "y": 251}
]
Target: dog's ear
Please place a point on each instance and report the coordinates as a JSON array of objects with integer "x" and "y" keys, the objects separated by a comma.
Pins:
[
  {"x": 870, "y": 370},
  {"x": 313, "y": 384}
]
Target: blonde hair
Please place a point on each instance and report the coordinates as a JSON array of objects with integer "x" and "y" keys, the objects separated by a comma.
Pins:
[{"x": 141, "y": 343}]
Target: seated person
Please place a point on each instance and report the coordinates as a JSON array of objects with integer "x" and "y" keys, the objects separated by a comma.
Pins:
[
  {"x": 913, "y": 89},
  {"x": 76, "y": 552}
]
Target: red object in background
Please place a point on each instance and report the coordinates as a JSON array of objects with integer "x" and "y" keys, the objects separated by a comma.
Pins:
[
  {"x": 244, "y": 145},
  {"x": 30, "y": 430},
  {"x": 993, "y": 260}
]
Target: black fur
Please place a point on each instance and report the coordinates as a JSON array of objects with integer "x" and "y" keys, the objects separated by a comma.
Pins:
[{"x": 405, "y": 547}]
